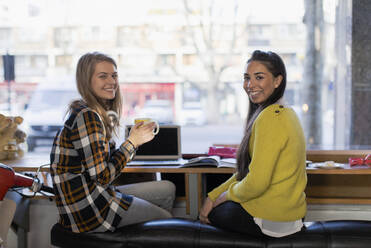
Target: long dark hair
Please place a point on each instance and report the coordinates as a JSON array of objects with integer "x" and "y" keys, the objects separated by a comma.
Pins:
[{"x": 275, "y": 65}]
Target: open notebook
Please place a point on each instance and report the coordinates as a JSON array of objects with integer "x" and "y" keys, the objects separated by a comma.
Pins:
[{"x": 164, "y": 149}]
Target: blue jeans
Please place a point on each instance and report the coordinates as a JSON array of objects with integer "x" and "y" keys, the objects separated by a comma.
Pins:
[
  {"x": 233, "y": 217},
  {"x": 152, "y": 200}
]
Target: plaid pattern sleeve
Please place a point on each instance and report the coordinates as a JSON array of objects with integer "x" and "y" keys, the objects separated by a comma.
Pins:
[{"x": 83, "y": 168}]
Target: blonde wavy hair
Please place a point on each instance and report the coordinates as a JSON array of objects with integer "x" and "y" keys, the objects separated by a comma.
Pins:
[{"x": 84, "y": 73}]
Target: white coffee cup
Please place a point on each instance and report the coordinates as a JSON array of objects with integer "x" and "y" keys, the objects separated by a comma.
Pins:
[{"x": 146, "y": 121}]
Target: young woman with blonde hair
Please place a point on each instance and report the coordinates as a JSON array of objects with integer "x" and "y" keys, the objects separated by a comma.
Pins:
[{"x": 84, "y": 163}]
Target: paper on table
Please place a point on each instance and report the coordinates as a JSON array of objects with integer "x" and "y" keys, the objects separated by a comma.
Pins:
[{"x": 327, "y": 165}]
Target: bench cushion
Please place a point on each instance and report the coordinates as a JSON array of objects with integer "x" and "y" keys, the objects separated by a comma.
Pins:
[{"x": 181, "y": 233}]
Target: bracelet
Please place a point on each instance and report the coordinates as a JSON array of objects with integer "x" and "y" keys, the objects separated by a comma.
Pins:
[
  {"x": 135, "y": 148},
  {"x": 132, "y": 151}
]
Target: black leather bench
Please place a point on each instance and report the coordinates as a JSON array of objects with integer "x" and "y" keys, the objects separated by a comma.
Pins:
[{"x": 180, "y": 233}]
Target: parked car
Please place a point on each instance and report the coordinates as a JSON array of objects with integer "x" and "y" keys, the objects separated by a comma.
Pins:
[
  {"x": 192, "y": 113},
  {"x": 46, "y": 111},
  {"x": 160, "y": 110}
]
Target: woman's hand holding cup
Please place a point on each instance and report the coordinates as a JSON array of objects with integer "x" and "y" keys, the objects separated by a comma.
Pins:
[
  {"x": 143, "y": 131},
  {"x": 145, "y": 121}
]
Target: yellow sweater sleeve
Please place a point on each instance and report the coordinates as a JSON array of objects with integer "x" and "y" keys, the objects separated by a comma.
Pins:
[
  {"x": 267, "y": 139},
  {"x": 214, "y": 194}
]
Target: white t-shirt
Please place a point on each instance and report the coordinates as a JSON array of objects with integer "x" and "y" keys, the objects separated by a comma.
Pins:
[{"x": 278, "y": 229}]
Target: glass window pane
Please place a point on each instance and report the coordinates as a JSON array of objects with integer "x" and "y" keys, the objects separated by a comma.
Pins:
[{"x": 182, "y": 61}]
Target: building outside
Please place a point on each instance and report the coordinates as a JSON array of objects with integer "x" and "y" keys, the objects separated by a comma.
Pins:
[{"x": 159, "y": 44}]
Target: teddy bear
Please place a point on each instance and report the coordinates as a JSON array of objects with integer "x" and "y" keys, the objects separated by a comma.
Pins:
[{"x": 11, "y": 137}]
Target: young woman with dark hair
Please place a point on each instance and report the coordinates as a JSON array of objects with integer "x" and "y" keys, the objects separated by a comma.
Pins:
[{"x": 266, "y": 194}]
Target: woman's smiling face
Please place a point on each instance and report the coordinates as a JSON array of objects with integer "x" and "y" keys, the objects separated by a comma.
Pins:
[
  {"x": 104, "y": 81},
  {"x": 259, "y": 82}
]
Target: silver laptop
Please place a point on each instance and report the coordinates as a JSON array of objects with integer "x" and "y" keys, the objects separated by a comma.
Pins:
[{"x": 165, "y": 148}]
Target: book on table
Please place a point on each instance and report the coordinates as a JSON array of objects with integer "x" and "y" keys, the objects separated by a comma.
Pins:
[{"x": 211, "y": 161}]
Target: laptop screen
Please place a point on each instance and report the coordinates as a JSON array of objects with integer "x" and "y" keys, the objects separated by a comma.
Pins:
[{"x": 166, "y": 145}]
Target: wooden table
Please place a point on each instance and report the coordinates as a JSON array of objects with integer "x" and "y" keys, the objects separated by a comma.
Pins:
[
  {"x": 339, "y": 186},
  {"x": 325, "y": 186},
  {"x": 194, "y": 193}
]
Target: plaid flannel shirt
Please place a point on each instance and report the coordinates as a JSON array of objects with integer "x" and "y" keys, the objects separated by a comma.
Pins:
[{"x": 82, "y": 169}]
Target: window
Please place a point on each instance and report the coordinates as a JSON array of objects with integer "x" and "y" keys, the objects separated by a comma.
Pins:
[
  {"x": 201, "y": 52},
  {"x": 5, "y": 36},
  {"x": 190, "y": 59},
  {"x": 166, "y": 60},
  {"x": 64, "y": 37},
  {"x": 63, "y": 61}
]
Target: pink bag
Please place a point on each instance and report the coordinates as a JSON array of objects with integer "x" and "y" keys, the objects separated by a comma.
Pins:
[{"x": 224, "y": 152}]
